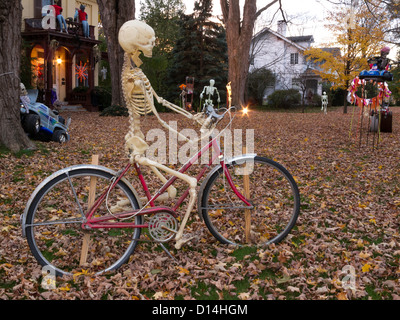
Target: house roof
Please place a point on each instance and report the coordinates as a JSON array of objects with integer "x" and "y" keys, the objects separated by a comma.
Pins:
[
  {"x": 310, "y": 74},
  {"x": 335, "y": 51},
  {"x": 309, "y": 38},
  {"x": 291, "y": 40}
]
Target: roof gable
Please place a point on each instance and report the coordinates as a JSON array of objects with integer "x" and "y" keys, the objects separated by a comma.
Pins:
[{"x": 290, "y": 40}]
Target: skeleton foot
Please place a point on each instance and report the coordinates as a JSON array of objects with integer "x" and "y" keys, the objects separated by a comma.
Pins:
[
  {"x": 122, "y": 205},
  {"x": 181, "y": 241},
  {"x": 164, "y": 197}
]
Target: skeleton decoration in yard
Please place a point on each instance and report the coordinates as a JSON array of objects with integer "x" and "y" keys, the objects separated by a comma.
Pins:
[
  {"x": 135, "y": 37},
  {"x": 209, "y": 91},
  {"x": 324, "y": 102}
]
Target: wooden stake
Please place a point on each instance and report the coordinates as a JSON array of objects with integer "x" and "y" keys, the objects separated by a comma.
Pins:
[
  {"x": 91, "y": 199},
  {"x": 247, "y": 216}
]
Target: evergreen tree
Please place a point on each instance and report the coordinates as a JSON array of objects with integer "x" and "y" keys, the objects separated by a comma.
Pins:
[
  {"x": 163, "y": 16},
  {"x": 199, "y": 52}
]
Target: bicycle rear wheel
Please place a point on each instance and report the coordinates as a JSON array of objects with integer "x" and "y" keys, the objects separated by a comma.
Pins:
[
  {"x": 53, "y": 223},
  {"x": 273, "y": 194}
]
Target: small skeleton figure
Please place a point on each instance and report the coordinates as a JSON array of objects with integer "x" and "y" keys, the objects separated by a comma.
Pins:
[
  {"x": 24, "y": 96},
  {"x": 324, "y": 102},
  {"x": 209, "y": 91},
  {"x": 104, "y": 73},
  {"x": 135, "y": 37}
]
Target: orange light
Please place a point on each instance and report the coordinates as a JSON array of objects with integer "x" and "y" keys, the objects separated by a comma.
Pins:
[
  {"x": 59, "y": 61},
  {"x": 245, "y": 111}
]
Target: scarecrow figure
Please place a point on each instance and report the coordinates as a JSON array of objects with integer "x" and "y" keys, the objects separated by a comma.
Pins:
[
  {"x": 60, "y": 18},
  {"x": 379, "y": 68},
  {"x": 83, "y": 16}
]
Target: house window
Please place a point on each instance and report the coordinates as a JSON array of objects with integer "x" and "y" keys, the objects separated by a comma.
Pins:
[
  {"x": 82, "y": 67},
  {"x": 294, "y": 58},
  {"x": 296, "y": 83}
]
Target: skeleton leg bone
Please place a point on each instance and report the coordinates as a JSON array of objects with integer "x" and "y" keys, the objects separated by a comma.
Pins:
[{"x": 192, "y": 193}]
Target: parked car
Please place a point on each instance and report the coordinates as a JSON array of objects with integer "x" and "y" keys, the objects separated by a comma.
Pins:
[{"x": 39, "y": 120}]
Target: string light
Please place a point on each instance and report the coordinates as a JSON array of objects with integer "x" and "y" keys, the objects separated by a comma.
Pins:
[{"x": 245, "y": 111}]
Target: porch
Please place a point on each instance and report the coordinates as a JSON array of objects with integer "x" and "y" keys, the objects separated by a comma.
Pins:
[{"x": 64, "y": 64}]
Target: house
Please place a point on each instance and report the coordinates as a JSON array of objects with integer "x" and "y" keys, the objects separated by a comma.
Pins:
[
  {"x": 64, "y": 65},
  {"x": 284, "y": 56}
]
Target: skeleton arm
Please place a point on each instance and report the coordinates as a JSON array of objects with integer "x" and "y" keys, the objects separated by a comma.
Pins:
[
  {"x": 171, "y": 106},
  {"x": 201, "y": 94},
  {"x": 206, "y": 123},
  {"x": 198, "y": 117}
]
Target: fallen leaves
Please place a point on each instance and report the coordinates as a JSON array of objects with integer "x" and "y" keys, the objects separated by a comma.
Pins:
[{"x": 350, "y": 216}]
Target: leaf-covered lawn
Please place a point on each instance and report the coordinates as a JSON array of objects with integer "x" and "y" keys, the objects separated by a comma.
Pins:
[{"x": 350, "y": 217}]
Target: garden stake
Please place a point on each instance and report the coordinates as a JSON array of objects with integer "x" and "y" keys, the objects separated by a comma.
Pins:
[
  {"x": 247, "y": 213},
  {"x": 92, "y": 197}
]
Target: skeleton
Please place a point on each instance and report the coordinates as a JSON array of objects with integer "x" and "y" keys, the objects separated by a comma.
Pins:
[
  {"x": 324, "y": 102},
  {"x": 209, "y": 90},
  {"x": 135, "y": 37}
]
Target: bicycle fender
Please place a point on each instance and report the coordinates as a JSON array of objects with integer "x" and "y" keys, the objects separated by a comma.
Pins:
[
  {"x": 235, "y": 160},
  {"x": 64, "y": 171}
]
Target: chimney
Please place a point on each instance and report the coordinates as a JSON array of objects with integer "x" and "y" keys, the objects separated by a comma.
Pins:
[{"x": 282, "y": 27}]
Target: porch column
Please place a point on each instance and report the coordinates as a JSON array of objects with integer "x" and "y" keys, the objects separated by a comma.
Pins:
[{"x": 49, "y": 54}]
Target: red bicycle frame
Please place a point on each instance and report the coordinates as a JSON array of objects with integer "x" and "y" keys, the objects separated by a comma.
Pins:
[{"x": 103, "y": 222}]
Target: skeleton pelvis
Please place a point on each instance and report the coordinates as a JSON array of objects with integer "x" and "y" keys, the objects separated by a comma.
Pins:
[{"x": 137, "y": 144}]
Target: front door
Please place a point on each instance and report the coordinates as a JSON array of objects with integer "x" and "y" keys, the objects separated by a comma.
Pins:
[{"x": 60, "y": 63}]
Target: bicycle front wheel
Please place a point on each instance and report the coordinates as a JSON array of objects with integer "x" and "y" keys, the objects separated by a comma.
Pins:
[
  {"x": 271, "y": 190},
  {"x": 53, "y": 223}
]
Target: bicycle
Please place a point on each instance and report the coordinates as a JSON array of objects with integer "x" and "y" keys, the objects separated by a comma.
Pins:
[{"x": 244, "y": 200}]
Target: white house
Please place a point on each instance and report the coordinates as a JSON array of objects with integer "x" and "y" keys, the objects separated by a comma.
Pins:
[{"x": 284, "y": 56}]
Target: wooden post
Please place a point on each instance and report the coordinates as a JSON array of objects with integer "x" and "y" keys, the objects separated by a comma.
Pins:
[
  {"x": 91, "y": 199},
  {"x": 247, "y": 216}
]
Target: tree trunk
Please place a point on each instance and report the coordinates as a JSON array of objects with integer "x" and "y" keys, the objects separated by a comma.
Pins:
[
  {"x": 11, "y": 133},
  {"x": 239, "y": 34},
  {"x": 114, "y": 13}
]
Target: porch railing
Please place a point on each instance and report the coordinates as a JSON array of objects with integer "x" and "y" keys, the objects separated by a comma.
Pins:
[{"x": 74, "y": 28}]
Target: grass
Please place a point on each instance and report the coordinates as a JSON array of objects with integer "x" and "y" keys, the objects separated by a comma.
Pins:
[{"x": 40, "y": 147}]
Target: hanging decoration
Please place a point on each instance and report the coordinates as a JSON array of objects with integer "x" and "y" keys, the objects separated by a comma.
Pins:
[
  {"x": 82, "y": 72},
  {"x": 375, "y": 102},
  {"x": 373, "y": 106}
]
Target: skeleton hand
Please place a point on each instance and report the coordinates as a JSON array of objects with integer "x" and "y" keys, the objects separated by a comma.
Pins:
[{"x": 199, "y": 118}]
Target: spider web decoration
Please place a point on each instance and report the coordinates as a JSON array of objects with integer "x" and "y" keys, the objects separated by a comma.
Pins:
[{"x": 82, "y": 71}]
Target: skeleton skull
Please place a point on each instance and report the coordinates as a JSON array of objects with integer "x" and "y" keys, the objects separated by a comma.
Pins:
[{"x": 136, "y": 35}]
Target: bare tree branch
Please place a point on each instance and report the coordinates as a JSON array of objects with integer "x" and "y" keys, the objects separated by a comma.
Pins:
[{"x": 267, "y": 6}]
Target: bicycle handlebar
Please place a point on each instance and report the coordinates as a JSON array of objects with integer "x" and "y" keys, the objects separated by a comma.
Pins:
[{"x": 213, "y": 115}]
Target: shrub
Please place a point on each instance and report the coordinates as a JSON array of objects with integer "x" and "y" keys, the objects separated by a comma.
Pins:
[
  {"x": 316, "y": 100},
  {"x": 80, "y": 89},
  {"x": 115, "y": 111},
  {"x": 284, "y": 99},
  {"x": 258, "y": 80},
  {"x": 101, "y": 97}
]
